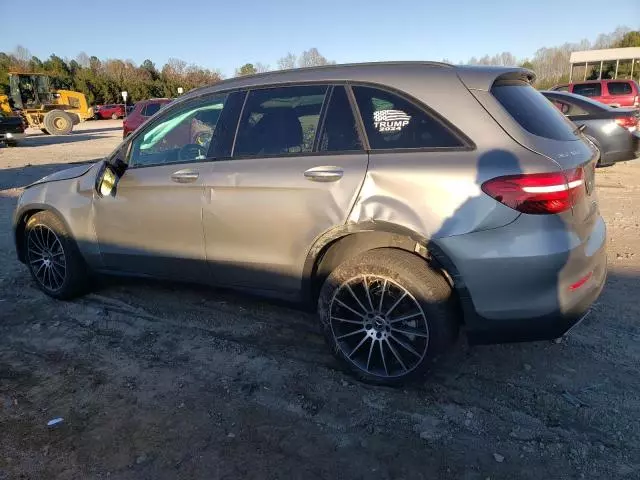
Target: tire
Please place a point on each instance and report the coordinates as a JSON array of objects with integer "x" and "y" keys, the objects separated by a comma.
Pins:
[
  {"x": 58, "y": 122},
  {"x": 53, "y": 258},
  {"x": 45, "y": 131},
  {"x": 425, "y": 316},
  {"x": 96, "y": 116},
  {"x": 114, "y": 116}
]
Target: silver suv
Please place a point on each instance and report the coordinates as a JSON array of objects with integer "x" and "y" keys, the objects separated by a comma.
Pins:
[{"x": 403, "y": 199}]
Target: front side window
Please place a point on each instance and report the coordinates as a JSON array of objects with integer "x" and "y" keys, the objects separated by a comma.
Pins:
[
  {"x": 280, "y": 121},
  {"x": 619, "y": 88},
  {"x": 588, "y": 89},
  {"x": 184, "y": 134},
  {"x": 392, "y": 122}
]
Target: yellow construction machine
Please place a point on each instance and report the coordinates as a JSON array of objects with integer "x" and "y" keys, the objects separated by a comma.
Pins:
[{"x": 52, "y": 111}]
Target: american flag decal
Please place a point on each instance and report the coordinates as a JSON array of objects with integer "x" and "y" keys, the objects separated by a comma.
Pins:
[
  {"x": 390, "y": 120},
  {"x": 390, "y": 116}
]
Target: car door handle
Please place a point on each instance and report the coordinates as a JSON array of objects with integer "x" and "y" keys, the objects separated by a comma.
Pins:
[
  {"x": 185, "y": 176},
  {"x": 324, "y": 174}
]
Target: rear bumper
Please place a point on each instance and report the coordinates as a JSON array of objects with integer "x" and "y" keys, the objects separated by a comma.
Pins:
[
  {"x": 632, "y": 152},
  {"x": 518, "y": 283},
  {"x": 545, "y": 327}
]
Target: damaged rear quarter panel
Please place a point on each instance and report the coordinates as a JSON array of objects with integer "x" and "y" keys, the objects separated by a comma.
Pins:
[{"x": 435, "y": 194}]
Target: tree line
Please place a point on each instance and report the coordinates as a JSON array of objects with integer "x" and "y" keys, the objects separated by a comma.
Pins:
[
  {"x": 552, "y": 66},
  {"x": 103, "y": 80}
]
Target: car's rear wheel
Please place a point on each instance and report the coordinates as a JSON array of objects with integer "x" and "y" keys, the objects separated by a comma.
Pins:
[
  {"x": 53, "y": 257},
  {"x": 386, "y": 315}
]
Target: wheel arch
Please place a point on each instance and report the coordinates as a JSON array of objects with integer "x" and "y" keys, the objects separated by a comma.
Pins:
[
  {"x": 23, "y": 217},
  {"x": 346, "y": 241}
]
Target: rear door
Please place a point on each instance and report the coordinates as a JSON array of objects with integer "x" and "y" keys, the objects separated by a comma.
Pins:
[{"x": 296, "y": 169}]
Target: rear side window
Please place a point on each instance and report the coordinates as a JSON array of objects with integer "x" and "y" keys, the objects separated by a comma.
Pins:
[
  {"x": 588, "y": 89},
  {"x": 619, "y": 88},
  {"x": 392, "y": 122},
  {"x": 339, "y": 132},
  {"x": 280, "y": 121},
  {"x": 150, "y": 109},
  {"x": 533, "y": 111}
]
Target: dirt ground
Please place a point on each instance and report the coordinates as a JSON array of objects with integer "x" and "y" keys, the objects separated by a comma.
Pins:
[{"x": 163, "y": 381}]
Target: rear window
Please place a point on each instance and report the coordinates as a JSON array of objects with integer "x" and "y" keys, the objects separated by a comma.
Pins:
[
  {"x": 619, "y": 88},
  {"x": 533, "y": 111},
  {"x": 588, "y": 89}
]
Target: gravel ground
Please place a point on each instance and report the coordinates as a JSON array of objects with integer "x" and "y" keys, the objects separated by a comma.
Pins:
[{"x": 164, "y": 381}]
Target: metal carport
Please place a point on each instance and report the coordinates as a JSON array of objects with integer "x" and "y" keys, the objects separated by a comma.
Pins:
[{"x": 618, "y": 55}]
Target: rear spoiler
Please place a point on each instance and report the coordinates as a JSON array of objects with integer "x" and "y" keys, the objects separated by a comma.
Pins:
[{"x": 483, "y": 77}]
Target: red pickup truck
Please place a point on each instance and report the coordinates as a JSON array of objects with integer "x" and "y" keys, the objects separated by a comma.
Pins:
[{"x": 616, "y": 93}]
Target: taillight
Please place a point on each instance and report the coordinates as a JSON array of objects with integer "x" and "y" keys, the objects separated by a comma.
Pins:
[
  {"x": 538, "y": 193},
  {"x": 629, "y": 122},
  {"x": 636, "y": 101}
]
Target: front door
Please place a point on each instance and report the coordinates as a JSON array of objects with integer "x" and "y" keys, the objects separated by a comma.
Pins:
[
  {"x": 152, "y": 223},
  {"x": 284, "y": 186}
]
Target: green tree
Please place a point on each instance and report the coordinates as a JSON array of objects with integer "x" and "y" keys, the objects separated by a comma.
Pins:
[
  {"x": 246, "y": 69},
  {"x": 630, "y": 39},
  {"x": 527, "y": 64}
]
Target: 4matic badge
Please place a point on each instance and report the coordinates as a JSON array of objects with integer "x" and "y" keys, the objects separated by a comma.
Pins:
[{"x": 390, "y": 120}]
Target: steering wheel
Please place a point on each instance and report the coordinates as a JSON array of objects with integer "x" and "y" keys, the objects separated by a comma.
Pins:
[{"x": 192, "y": 151}]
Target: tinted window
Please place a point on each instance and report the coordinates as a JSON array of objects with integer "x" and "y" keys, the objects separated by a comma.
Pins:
[
  {"x": 394, "y": 122},
  {"x": 619, "y": 88},
  {"x": 151, "y": 109},
  {"x": 278, "y": 121},
  {"x": 339, "y": 131},
  {"x": 183, "y": 135},
  {"x": 568, "y": 108},
  {"x": 533, "y": 111},
  {"x": 588, "y": 89}
]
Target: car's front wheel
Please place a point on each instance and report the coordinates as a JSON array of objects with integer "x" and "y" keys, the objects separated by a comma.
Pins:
[
  {"x": 53, "y": 257},
  {"x": 386, "y": 315}
]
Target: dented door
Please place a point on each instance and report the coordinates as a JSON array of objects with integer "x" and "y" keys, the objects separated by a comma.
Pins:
[{"x": 261, "y": 215}]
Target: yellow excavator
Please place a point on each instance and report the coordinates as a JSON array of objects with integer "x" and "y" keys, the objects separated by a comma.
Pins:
[{"x": 53, "y": 111}]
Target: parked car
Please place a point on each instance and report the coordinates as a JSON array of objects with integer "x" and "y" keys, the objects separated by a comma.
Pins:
[
  {"x": 141, "y": 112},
  {"x": 109, "y": 111},
  {"x": 617, "y": 93},
  {"x": 450, "y": 196},
  {"x": 614, "y": 131},
  {"x": 12, "y": 128}
]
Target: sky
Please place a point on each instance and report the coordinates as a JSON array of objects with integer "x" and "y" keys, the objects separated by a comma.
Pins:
[{"x": 225, "y": 35}]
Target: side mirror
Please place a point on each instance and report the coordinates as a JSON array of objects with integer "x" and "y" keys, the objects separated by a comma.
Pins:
[
  {"x": 119, "y": 167},
  {"x": 108, "y": 177}
]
